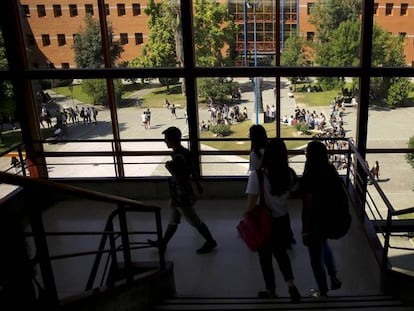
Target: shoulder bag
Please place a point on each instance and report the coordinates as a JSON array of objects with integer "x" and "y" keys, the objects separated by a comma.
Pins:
[{"x": 256, "y": 226}]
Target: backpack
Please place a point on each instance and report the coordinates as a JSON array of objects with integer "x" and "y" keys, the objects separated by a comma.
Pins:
[{"x": 334, "y": 218}]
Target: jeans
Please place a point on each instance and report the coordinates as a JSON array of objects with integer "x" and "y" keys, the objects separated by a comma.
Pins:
[{"x": 321, "y": 257}]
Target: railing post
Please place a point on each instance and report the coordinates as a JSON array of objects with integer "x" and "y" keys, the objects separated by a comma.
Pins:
[
  {"x": 384, "y": 260},
  {"x": 126, "y": 250}
]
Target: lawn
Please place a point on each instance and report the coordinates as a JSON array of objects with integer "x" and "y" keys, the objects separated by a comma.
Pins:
[{"x": 241, "y": 130}]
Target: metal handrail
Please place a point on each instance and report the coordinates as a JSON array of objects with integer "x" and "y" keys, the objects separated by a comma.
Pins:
[{"x": 44, "y": 259}]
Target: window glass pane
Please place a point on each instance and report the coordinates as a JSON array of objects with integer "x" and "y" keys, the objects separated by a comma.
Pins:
[
  {"x": 70, "y": 112},
  {"x": 389, "y": 126},
  {"x": 391, "y": 48},
  {"x": 390, "y": 112},
  {"x": 146, "y": 109},
  {"x": 10, "y": 133}
]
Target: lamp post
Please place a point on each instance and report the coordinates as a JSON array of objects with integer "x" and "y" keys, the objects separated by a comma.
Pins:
[
  {"x": 254, "y": 5},
  {"x": 245, "y": 32}
]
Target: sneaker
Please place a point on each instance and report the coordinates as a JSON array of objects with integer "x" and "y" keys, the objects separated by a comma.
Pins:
[
  {"x": 316, "y": 294},
  {"x": 267, "y": 294},
  {"x": 207, "y": 247},
  {"x": 294, "y": 294},
  {"x": 335, "y": 283}
]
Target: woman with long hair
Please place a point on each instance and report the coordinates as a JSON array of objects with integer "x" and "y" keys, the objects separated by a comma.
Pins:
[
  {"x": 316, "y": 184},
  {"x": 258, "y": 142},
  {"x": 278, "y": 181}
]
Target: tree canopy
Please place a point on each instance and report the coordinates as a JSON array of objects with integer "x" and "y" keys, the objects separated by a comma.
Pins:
[{"x": 88, "y": 45}]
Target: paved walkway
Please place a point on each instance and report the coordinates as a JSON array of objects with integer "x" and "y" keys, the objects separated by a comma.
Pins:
[{"x": 386, "y": 129}]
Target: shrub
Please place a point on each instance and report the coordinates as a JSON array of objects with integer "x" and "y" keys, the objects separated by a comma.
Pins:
[
  {"x": 302, "y": 127},
  {"x": 221, "y": 130},
  {"x": 410, "y": 156}
]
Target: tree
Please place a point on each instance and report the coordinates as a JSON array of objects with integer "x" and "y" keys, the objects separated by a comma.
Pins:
[
  {"x": 89, "y": 54},
  {"x": 217, "y": 88},
  {"x": 215, "y": 33},
  {"x": 88, "y": 45},
  {"x": 160, "y": 49},
  {"x": 328, "y": 15},
  {"x": 296, "y": 53},
  {"x": 6, "y": 88}
]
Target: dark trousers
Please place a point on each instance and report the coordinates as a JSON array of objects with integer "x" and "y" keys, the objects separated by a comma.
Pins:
[
  {"x": 322, "y": 259},
  {"x": 280, "y": 241}
]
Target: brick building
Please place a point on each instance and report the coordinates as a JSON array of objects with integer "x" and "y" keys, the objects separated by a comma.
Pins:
[
  {"x": 51, "y": 25},
  {"x": 395, "y": 16}
]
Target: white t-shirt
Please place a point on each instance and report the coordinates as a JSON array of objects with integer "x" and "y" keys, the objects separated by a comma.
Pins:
[
  {"x": 254, "y": 160},
  {"x": 277, "y": 204}
]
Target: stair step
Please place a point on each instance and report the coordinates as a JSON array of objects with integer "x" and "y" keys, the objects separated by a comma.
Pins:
[{"x": 366, "y": 303}]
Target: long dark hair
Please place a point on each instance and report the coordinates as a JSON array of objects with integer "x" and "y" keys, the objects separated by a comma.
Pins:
[
  {"x": 276, "y": 166},
  {"x": 317, "y": 161},
  {"x": 258, "y": 138}
]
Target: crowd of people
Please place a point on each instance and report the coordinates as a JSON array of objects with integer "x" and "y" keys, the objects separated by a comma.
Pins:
[{"x": 223, "y": 114}]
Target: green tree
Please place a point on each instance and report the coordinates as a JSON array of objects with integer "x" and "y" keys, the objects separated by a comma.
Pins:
[
  {"x": 160, "y": 49},
  {"x": 88, "y": 54},
  {"x": 215, "y": 33},
  {"x": 296, "y": 53},
  {"x": 398, "y": 91},
  {"x": 6, "y": 88},
  {"x": 214, "y": 37},
  {"x": 217, "y": 88},
  {"x": 88, "y": 45},
  {"x": 326, "y": 16}
]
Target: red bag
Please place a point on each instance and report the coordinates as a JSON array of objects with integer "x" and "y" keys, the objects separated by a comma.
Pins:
[{"x": 256, "y": 227}]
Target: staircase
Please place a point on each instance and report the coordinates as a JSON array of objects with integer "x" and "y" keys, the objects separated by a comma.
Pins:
[{"x": 365, "y": 303}]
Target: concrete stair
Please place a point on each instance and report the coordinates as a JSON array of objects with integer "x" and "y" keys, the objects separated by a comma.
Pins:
[{"x": 366, "y": 303}]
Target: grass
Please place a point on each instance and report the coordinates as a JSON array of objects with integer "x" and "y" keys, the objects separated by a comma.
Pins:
[
  {"x": 77, "y": 93},
  {"x": 315, "y": 98},
  {"x": 241, "y": 130}
]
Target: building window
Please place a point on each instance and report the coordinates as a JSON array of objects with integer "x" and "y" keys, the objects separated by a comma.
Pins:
[
  {"x": 310, "y": 7},
  {"x": 310, "y": 35},
  {"x": 121, "y": 9},
  {"x": 107, "y": 12},
  {"x": 57, "y": 10},
  {"x": 26, "y": 10},
  {"x": 138, "y": 38},
  {"x": 31, "y": 40},
  {"x": 45, "y": 40},
  {"x": 376, "y": 8},
  {"x": 73, "y": 10},
  {"x": 136, "y": 9},
  {"x": 388, "y": 9},
  {"x": 402, "y": 35},
  {"x": 404, "y": 9},
  {"x": 124, "y": 38},
  {"x": 41, "y": 10},
  {"x": 89, "y": 9},
  {"x": 65, "y": 65},
  {"x": 61, "y": 39}
]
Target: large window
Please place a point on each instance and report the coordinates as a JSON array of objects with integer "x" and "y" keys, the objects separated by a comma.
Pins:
[{"x": 268, "y": 72}]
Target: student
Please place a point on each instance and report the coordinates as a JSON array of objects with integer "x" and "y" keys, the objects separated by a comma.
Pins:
[
  {"x": 318, "y": 176},
  {"x": 182, "y": 197},
  {"x": 258, "y": 142},
  {"x": 376, "y": 170},
  {"x": 278, "y": 182}
]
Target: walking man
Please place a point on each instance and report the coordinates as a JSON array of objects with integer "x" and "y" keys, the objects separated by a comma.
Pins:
[{"x": 182, "y": 196}]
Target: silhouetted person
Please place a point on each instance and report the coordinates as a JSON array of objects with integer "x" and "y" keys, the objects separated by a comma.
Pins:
[{"x": 182, "y": 196}]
